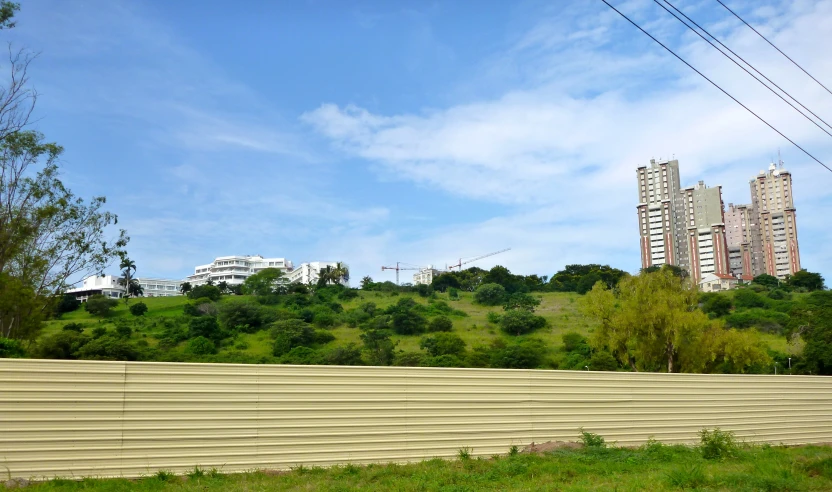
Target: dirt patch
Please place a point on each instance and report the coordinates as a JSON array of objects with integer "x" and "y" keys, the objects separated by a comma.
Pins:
[
  {"x": 550, "y": 446},
  {"x": 274, "y": 473}
]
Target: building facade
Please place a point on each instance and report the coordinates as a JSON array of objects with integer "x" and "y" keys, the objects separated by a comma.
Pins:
[
  {"x": 235, "y": 269},
  {"x": 425, "y": 276},
  {"x": 776, "y": 251},
  {"x": 159, "y": 287},
  {"x": 309, "y": 273},
  {"x": 106, "y": 285},
  {"x": 705, "y": 228},
  {"x": 660, "y": 215},
  {"x": 740, "y": 230}
]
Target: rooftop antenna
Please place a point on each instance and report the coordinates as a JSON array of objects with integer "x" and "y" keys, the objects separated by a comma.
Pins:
[{"x": 779, "y": 160}]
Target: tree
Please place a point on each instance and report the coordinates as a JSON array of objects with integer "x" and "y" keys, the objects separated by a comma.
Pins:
[
  {"x": 185, "y": 288},
  {"x": 134, "y": 288},
  {"x": 650, "y": 322},
  {"x": 47, "y": 234},
  {"x": 520, "y": 322},
  {"x": 138, "y": 309},
  {"x": 201, "y": 346},
  {"x": 812, "y": 321},
  {"x": 521, "y": 301},
  {"x": 211, "y": 292},
  {"x": 443, "y": 344},
  {"x": 586, "y": 283},
  {"x": 7, "y": 11},
  {"x": 204, "y": 326},
  {"x": 717, "y": 305},
  {"x": 440, "y": 324},
  {"x": 128, "y": 269},
  {"x": 67, "y": 304},
  {"x": 99, "y": 305},
  {"x": 806, "y": 280},
  {"x": 571, "y": 278},
  {"x": 266, "y": 282},
  {"x": 291, "y": 333},
  {"x": 338, "y": 275},
  {"x": 490, "y": 294},
  {"x": 366, "y": 282},
  {"x": 405, "y": 318},
  {"x": 223, "y": 286},
  {"x": 766, "y": 280},
  {"x": 378, "y": 348}
]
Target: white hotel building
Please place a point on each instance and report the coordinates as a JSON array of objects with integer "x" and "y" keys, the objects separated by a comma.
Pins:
[{"x": 235, "y": 269}]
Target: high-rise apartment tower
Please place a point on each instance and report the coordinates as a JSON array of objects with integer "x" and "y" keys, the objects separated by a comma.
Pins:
[{"x": 772, "y": 201}]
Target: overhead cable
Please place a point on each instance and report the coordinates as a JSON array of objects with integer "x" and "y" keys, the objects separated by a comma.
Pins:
[
  {"x": 717, "y": 86},
  {"x": 773, "y": 46},
  {"x": 742, "y": 67}
]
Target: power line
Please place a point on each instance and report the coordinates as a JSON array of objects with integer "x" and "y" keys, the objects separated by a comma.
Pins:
[
  {"x": 773, "y": 46},
  {"x": 744, "y": 61},
  {"x": 717, "y": 86}
]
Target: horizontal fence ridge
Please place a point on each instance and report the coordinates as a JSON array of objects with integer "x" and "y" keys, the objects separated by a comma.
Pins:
[{"x": 105, "y": 419}]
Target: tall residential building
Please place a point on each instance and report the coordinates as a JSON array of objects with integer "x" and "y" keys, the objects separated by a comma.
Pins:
[
  {"x": 705, "y": 223},
  {"x": 660, "y": 215},
  {"x": 235, "y": 269},
  {"x": 740, "y": 229},
  {"x": 426, "y": 275},
  {"x": 308, "y": 273},
  {"x": 776, "y": 250}
]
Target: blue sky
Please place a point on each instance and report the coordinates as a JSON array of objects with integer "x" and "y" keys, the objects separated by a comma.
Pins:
[{"x": 376, "y": 132}]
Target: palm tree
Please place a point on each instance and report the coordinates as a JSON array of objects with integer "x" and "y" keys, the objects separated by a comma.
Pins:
[
  {"x": 341, "y": 273},
  {"x": 134, "y": 288},
  {"x": 185, "y": 288},
  {"x": 128, "y": 268},
  {"x": 223, "y": 286}
]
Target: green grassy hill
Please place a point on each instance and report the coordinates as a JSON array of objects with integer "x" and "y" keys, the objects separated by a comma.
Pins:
[{"x": 559, "y": 308}]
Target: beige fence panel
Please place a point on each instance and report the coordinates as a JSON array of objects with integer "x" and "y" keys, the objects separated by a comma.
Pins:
[{"x": 88, "y": 418}]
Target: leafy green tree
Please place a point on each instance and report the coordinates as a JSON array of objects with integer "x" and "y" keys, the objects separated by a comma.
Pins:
[
  {"x": 766, "y": 280},
  {"x": 366, "y": 282},
  {"x": 522, "y": 354},
  {"x": 223, "y": 286},
  {"x": 521, "y": 301},
  {"x": 490, "y": 294},
  {"x": 602, "y": 360},
  {"x": 335, "y": 275},
  {"x": 266, "y": 282},
  {"x": 379, "y": 349},
  {"x": 7, "y": 11},
  {"x": 67, "y": 304},
  {"x": 291, "y": 333},
  {"x": 807, "y": 280},
  {"x": 649, "y": 322},
  {"x": 440, "y": 324},
  {"x": 568, "y": 279},
  {"x": 60, "y": 345},
  {"x": 716, "y": 305},
  {"x": 134, "y": 288},
  {"x": 348, "y": 355},
  {"x": 138, "y": 309},
  {"x": 185, "y": 288},
  {"x": 245, "y": 316},
  {"x": 747, "y": 298},
  {"x": 406, "y": 318},
  {"x": 11, "y": 349},
  {"x": 520, "y": 322},
  {"x": 211, "y": 292},
  {"x": 107, "y": 348},
  {"x": 812, "y": 321},
  {"x": 201, "y": 346},
  {"x": 204, "y": 326},
  {"x": 586, "y": 282},
  {"x": 575, "y": 342},
  {"x": 443, "y": 282},
  {"x": 99, "y": 305},
  {"x": 443, "y": 344}
]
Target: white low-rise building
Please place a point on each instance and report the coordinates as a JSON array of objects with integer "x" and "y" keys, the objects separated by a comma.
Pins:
[
  {"x": 308, "y": 273},
  {"x": 235, "y": 269},
  {"x": 716, "y": 282},
  {"x": 106, "y": 285},
  {"x": 159, "y": 287}
]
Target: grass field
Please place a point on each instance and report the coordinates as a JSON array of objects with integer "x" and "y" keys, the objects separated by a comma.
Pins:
[
  {"x": 559, "y": 308},
  {"x": 653, "y": 467}
]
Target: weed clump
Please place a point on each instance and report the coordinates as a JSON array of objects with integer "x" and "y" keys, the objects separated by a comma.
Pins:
[
  {"x": 591, "y": 440},
  {"x": 717, "y": 444}
]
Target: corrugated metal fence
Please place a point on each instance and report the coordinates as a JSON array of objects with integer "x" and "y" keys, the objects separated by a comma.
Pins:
[{"x": 87, "y": 418}]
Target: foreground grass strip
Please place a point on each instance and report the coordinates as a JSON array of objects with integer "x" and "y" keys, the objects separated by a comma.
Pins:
[{"x": 653, "y": 467}]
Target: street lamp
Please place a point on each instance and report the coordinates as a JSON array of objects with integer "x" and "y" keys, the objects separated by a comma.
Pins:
[
  {"x": 775, "y": 368},
  {"x": 586, "y": 367}
]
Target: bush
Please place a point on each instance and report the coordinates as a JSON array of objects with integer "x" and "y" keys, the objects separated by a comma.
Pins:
[
  {"x": 406, "y": 318},
  {"x": 519, "y": 322},
  {"x": 746, "y": 298},
  {"x": 61, "y": 345},
  {"x": 11, "y": 349},
  {"x": 409, "y": 359},
  {"x": 347, "y": 294},
  {"x": 717, "y": 444},
  {"x": 201, "y": 346},
  {"x": 212, "y": 292},
  {"x": 107, "y": 348},
  {"x": 322, "y": 337},
  {"x": 99, "y": 305},
  {"x": 591, "y": 440},
  {"x": 762, "y": 319},
  {"x": 603, "y": 361},
  {"x": 204, "y": 326},
  {"x": 138, "y": 309},
  {"x": 525, "y": 354},
  {"x": 521, "y": 301},
  {"x": 290, "y": 334},
  {"x": 302, "y": 356},
  {"x": 446, "y": 360},
  {"x": 443, "y": 344},
  {"x": 575, "y": 342},
  {"x": 244, "y": 316},
  {"x": 66, "y": 304},
  {"x": 493, "y": 317},
  {"x": 77, "y": 327},
  {"x": 490, "y": 294},
  {"x": 716, "y": 305},
  {"x": 440, "y": 323},
  {"x": 124, "y": 331},
  {"x": 349, "y": 355}
]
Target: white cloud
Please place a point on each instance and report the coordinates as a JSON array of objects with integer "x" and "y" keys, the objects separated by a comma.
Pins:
[{"x": 566, "y": 146}]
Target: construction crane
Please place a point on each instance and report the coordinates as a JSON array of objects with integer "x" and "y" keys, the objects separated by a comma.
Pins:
[
  {"x": 397, "y": 268},
  {"x": 459, "y": 265}
]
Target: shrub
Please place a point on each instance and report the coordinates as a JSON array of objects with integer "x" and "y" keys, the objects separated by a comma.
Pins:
[
  {"x": 525, "y": 354},
  {"x": 408, "y": 359},
  {"x": 138, "y": 309},
  {"x": 519, "y": 322},
  {"x": 591, "y": 440},
  {"x": 443, "y": 344},
  {"x": 490, "y": 294},
  {"x": 99, "y": 305},
  {"x": 245, "y": 316},
  {"x": 124, "y": 331},
  {"x": 349, "y": 355},
  {"x": 493, "y": 317},
  {"x": 66, "y": 304},
  {"x": 11, "y": 349},
  {"x": 746, "y": 298},
  {"x": 347, "y": 294},
  {"x": 289, "y": 334},
  {"x": 301, "y": 356},
  {"x": 763, "y": 319},
  {"x": 521, "y": 301},
  {"x": 406, "y": 318},
  {"x": 440, "y": 323},
  {"x": 717, "y": 444},
  {"x": 715, "y": 304},
  {"x": 212, "y": 292},
  {"x": 204, "y": 326},
  {"x": 78, "y": 327},
  {"x": 324, "y": 317},
  {"x": 61, "y": 345},
  {"x": 575, "y": 342},
  {"x": 322, "y": 337},
  {"x": 107, "y": 348},
  {"x": 446, "y": 360},
  {"x": 201, "y": 346}
]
